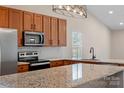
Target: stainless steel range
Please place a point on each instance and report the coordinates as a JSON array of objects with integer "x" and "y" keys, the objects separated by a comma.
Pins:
[{"x": 32, "y": 58}]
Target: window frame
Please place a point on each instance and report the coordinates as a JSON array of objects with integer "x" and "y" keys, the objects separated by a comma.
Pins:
[{"x": 78, "y": 46}]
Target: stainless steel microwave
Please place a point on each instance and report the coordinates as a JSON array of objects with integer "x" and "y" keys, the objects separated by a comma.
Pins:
[{"x": 33, "y": 39}]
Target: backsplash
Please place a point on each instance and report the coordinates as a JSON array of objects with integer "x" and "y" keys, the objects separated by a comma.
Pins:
[{"x": 46, "y": 52}]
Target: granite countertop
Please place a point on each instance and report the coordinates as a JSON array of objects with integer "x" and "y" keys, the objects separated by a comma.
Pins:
[{"x": 64, "y": 76}]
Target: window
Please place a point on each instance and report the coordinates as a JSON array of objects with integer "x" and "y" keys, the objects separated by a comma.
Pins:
[
  {"x": 77, "y": 71},
  {"x": 76, "y": 45}
]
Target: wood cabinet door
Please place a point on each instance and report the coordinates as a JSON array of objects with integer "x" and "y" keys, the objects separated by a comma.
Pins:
[
  {"x": 4, "y": 17},
  {"x": 23, "y": 68},
  {"x": 54, "y": 32},
  {"x": 28, "y": 21},
  {"x": 62, "y": 32},
  {"x": 38, "y": 22},
  {"x": 46, "y": 30},
  {"x": 15, "y": 21}
]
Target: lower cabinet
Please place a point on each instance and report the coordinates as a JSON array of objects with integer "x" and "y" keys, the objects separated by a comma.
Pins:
[
  {"x": 23, "y": 68},
  {"x": 61, "y": 63},
  {"x": 67, "y": 62},
  {"x": 56, "y": 63}
]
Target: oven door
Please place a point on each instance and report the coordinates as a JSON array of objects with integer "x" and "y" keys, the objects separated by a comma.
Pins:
[
  {"x": 38, "y": 66},
  {"x": 33, "y": 39}
]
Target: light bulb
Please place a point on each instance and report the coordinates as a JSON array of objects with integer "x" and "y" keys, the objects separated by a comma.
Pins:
[
  {"x": 81, "y": 13},
  {"x": 60, "y": 6},
  {"x": 121, "y": 23},
  {"x": 68, "y": 8},
  {"x": 74, "y": 11},
  {"x": 111, "y": 12}
]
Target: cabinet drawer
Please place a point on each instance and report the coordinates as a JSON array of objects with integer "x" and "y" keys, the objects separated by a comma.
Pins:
[
  {"x": 56, "y": 63},
  {"x": 70, "y": 62},
  {"x": 23, "y": 68},
  {"x": 75, "y": 62},
  {"x": 67, "y": 63}
]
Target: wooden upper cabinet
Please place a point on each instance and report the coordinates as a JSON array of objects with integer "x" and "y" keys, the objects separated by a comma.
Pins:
[
  {"x": 54, "y": 32},
  {"x": 62, "y": 32},
  {"x": 15, "y": 21},
  {"x": 38, "y": 22},
  {"x": 46, "y": 30},
  {"x": 28, "y": 21},
  {"x": 4, "y": 17},
  {"x": 54, "y": 29}
]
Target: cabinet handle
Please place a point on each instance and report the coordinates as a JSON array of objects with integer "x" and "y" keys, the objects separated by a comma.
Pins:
[
  {"x": 51, "y": 41},
  {"x": 31, "y": 26},
  {"x": 58, "y": 42},
  {"x": 34, "y": 26},
  {"x": 22, "y": 41}
]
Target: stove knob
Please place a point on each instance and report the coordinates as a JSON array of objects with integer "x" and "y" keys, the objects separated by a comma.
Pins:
[
  {"x": 35, "y": 53},
  {"x": 22, "y": 54}
]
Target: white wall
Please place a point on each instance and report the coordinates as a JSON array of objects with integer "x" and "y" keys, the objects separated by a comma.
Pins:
[
  {"x": 117, "y": 44},
  {"x": 94, "y": 34}
]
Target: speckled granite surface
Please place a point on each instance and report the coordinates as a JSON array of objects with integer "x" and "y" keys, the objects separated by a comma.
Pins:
[{"x": 60, "y": 77}]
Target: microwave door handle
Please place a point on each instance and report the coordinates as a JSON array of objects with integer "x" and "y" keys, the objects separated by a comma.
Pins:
[{"x": 42, "y": 39}]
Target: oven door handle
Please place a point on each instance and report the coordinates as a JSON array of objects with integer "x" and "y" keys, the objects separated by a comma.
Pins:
[{"x": 37, "y": 64}]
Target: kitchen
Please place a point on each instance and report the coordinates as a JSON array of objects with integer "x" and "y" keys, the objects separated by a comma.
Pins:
[{"x": 57, "y": 30}]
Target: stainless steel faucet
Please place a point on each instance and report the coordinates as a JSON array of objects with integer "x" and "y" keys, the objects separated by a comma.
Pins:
[{"x": 92, "y": 51}]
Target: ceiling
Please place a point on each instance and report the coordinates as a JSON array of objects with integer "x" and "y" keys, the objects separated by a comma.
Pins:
[{"x": 110, "y": 20}]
